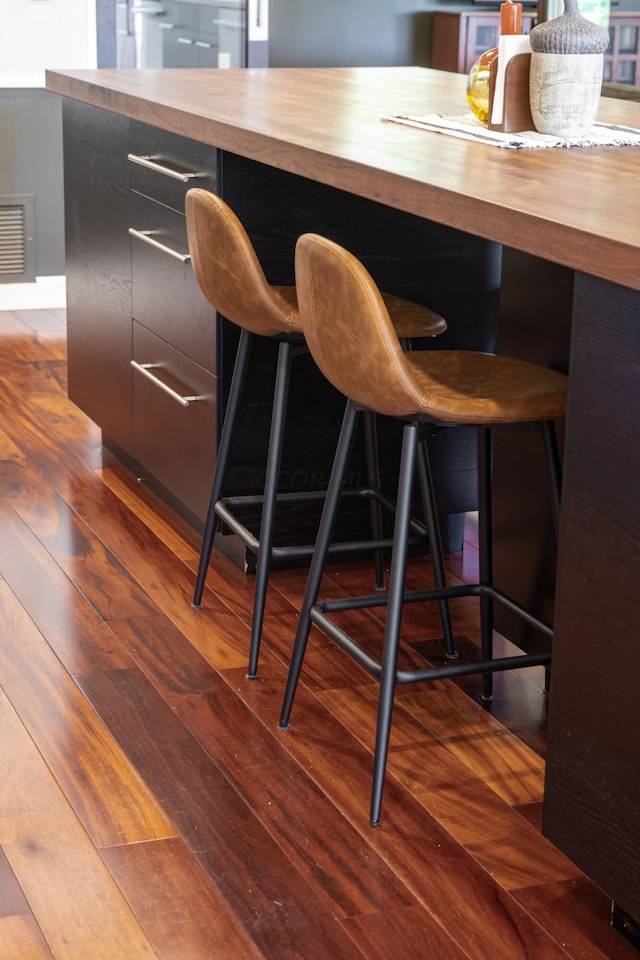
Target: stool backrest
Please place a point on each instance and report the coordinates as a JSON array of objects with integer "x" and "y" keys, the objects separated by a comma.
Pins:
[
  {"x": 227, "y": 268},
  {"x": 348, "y": 329}
]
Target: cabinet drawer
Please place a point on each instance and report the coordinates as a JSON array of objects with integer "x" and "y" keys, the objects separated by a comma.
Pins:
[
  {"x": 175, "y": 442},
  {"x": 165, "y": 295},
  {"x": 175, "y": 155}
]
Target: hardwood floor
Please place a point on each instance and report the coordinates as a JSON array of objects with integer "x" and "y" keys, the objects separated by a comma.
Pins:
[{"x": 149, "y": 808}]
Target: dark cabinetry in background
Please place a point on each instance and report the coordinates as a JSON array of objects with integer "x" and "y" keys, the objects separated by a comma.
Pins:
[
  {"x": 622, "y": 57},
  {"x": 459, "y": 37}
]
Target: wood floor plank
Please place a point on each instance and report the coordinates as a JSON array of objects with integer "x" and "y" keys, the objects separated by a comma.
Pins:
[
  {"x": 443, "y": 877},
  {"x": 8, "y": 449},
  {"x": 25, "y": 342},
  {"x": 277, "y": 907},
  {"x": 73, "y": 629},
  {"x": 579, "y": 916},
  {"x": 329, "y": 853},
  {"x": 509, "y": 848},
  {"x": 178, "y": 536},
  {"x": 411, "y": 934},
  {"x": 105, "y": 790},
  {"x": 350, "y": 876},
  {"x": 96, "y": 572},
  {"x": 21, "y": 938},
  {"x": 12, "y": 899},
  {"x": 70, "y": 891},
  {"x": 182, "y": 913},
  {"x": 501, "y": 759},
  {"x": 96, "y": 540},
  {"x": 498, "y": 759}
]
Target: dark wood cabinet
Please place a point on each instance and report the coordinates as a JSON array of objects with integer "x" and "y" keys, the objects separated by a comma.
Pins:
[
  {"x": 175, "y": 441},
  {"x": 129, "y": 299},
  {"x": 98, "y": 267},
  {"x": 175, "y": 386}
]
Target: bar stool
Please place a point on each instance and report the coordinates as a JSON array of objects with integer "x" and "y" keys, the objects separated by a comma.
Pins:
[
  {"x": 362, "y": 358},
  {"x": 230, "y": 276}
]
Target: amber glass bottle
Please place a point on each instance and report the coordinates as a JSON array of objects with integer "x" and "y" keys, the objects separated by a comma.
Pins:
[{"x": 478, "y": 79}]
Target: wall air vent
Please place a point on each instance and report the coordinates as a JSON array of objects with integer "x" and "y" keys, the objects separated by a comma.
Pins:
[{"x": 17, "y": 254}]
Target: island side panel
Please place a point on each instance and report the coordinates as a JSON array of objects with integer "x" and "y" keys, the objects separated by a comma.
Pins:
[{"x": 592, "y": 803}]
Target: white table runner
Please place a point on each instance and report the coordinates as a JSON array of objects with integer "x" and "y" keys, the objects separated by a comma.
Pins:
[{"x": 468, "y": 128}]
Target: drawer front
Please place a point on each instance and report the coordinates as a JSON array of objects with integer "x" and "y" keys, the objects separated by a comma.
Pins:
[
  {"x": 174, "y": 154},
  {"x": 165, "y": 295},
  {"x": 176, "y": 443}
]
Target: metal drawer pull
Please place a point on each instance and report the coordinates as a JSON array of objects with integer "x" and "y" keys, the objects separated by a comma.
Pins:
[
  {"x": 147, "y": 237},
  {"x": 152, "y": 164},
  {"x": 184, "y": 40},
  {"x": 203, "y": 43},
  {"x": 146, "y": 368},
  {"x": 167, "y": 26}
]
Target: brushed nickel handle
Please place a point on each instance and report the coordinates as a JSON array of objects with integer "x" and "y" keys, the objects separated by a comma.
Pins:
[
  {"x": 203, "y": 43},
  {"x": 167, "y": 26},
  {"x": 151, "y": 164},
  {"x": 184, "y": 40},
  {"x": 146, "y": 236},
  {"x": 146, "y": 368}
]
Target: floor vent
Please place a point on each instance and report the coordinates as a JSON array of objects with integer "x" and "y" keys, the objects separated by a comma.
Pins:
[{"x": 17, "y": 255}]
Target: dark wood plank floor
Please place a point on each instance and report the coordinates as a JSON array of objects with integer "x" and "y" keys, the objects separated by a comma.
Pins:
[{"x": 149, "y": 808}]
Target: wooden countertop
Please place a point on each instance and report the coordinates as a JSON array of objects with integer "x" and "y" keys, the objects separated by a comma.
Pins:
[{"x": 577, "y": 207}]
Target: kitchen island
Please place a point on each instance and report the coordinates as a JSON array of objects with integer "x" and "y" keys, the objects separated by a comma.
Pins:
[{"x": 566, "y": 222}]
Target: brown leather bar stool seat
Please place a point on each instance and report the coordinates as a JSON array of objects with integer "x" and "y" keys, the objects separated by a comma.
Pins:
[
  {"x": 229, "y": 274},
  {"x": 349, "y": 333}
]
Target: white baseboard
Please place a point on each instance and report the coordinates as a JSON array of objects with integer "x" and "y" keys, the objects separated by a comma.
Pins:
[{"x": 47, "y": 293}]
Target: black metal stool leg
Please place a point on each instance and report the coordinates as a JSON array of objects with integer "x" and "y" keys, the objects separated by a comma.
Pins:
[
  {"x": 395, "y": 604},
  {"x": 373, "y": 480},
  {"x": 437, "y": 560},
  {"x": 267, "y": 522},
  {"x": 319, "y": 558},
  {"x": 485, "y": 551},
  {"x": 226, "y": 435}
]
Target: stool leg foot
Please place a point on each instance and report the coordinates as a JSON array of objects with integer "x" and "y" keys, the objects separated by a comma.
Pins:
[{"x": 319, "y": 558}]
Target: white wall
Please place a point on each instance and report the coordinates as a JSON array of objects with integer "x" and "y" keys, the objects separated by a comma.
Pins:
[{"x": 39, "y": 34}]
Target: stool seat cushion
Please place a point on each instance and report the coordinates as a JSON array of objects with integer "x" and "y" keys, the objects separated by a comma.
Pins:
[
  {"x": 410, "y": 320},
  {"x": 460, "y": 386}
]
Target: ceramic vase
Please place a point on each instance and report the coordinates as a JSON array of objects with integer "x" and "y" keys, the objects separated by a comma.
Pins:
[{"x": 565, "y": 80}]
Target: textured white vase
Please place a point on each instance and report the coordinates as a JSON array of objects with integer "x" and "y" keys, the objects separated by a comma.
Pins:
[{"x": 564, "y": 92}]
